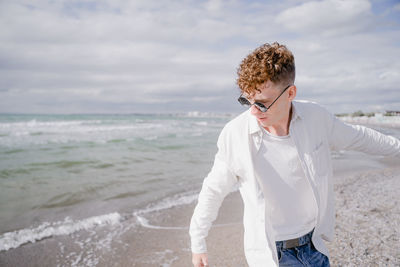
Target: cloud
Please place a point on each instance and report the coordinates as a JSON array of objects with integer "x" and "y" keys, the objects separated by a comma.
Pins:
[
  {"x": 328, "y": 17},
  {"x": 140, "y": 56}
]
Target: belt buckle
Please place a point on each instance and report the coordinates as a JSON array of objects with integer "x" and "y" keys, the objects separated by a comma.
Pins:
[{"x": 292, "y": 243}]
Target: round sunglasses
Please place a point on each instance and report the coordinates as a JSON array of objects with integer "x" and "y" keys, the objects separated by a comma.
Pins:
[{"x": 245, "y": 102}]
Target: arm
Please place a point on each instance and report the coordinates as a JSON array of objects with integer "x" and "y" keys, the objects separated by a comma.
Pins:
[
  {"x": 218, "y": 183},
  {"x": 343, "y": 136}
]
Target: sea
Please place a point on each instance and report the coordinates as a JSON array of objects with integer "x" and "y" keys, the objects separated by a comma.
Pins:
[{"x": 63, "y": 174}]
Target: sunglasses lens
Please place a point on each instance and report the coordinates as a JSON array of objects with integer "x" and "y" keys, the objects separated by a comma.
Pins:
[
  {"x": 261, "y": 107},
  {"x": 244, "y": 101}
]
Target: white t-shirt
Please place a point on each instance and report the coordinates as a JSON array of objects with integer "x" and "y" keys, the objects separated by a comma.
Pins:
[{"x": 286, "y": 188}]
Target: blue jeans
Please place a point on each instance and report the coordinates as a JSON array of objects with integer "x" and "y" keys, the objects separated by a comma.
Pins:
[{"x": 305, "y": 255}]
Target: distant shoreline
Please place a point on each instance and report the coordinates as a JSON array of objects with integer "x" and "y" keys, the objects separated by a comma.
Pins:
[{"x": 384, "y": 121}]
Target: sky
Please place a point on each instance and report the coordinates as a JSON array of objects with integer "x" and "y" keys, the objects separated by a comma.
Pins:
[{"x": 117, "y": 56}]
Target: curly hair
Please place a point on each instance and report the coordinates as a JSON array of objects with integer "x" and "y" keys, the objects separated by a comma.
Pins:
[{"x": 272, "y": 62}]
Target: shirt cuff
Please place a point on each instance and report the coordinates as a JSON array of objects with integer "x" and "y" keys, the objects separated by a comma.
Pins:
[{"x": 198, "y": 246}]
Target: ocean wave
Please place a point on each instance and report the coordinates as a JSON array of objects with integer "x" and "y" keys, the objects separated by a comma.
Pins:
[
  {"x": 386, "y": 121},
  {"x": 8, "y": 173},
  {"x": 51, "y": 124},
  {"x": 35, "y": 128},
  {"x": 45, "y": 230},
  {"x": 164, "y": 204},
  {"x": 201, "y": 123},
  {"x": 170, "y": 202},
  {"x": 127, "y": 195},
  {"x": 150, "y": 138},
  {"x": 110, "y": 131},
  {"x": 198, "y": 114},
  {"x": 63, "y": 132},
  {"x": 63, "y": 163},
  {"x": 13, "y": 151},
  {"x": 68, "y": 226},
  {"x": 145, "y": 223},
  {"x": 172, "y": 147}
]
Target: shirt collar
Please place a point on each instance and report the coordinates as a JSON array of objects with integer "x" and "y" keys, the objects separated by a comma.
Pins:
[{"x": 254, "y": 127}]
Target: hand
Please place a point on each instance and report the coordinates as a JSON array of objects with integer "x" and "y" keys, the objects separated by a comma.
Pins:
[{"x": 199, "y": 260}]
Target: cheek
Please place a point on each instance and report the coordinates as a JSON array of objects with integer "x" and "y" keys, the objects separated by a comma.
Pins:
[
  {"x": 276, "y": 109},
  {"x": 254, "y": 110}
]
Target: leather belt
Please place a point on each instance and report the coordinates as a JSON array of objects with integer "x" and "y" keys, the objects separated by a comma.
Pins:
[{"x": 292, "y": 243}]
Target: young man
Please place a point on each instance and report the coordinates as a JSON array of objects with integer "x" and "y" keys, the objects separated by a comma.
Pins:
[{"x": 278, "y": 153}]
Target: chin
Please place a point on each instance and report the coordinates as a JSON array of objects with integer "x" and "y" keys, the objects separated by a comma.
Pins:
[{"x": 264, "y": 122}]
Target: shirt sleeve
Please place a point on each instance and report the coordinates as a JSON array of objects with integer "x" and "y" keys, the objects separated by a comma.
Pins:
[
  {"x": 344, "y": 136},
  {"x": 218, "y": 183}
]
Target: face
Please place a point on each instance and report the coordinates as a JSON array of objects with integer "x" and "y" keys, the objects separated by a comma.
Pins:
[{"x": 279, "y": 111}]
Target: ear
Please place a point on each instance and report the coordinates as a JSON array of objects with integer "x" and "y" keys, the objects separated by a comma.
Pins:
[{"x": 292, "y": 91}]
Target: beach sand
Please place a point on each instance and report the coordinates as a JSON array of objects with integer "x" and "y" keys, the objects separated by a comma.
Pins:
[{"x": 367, "y": 232}]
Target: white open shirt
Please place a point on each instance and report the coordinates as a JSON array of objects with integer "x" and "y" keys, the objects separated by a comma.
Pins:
[{"x": 315, "y": 132}]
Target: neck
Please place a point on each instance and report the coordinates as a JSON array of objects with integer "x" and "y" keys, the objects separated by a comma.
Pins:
[{"x": 282, "y": 127}]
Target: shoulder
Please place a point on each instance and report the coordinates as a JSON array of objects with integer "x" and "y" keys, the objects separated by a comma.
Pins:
[
  {"x": 310, "y": 109},
  {"x": 308, "y": 106},
  {"x": 237, "y": 127}
]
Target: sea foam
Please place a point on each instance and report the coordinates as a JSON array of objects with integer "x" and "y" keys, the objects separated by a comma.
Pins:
[
  {"x": 17, "y": 238},
  {"x": 166, "y": 203}
]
